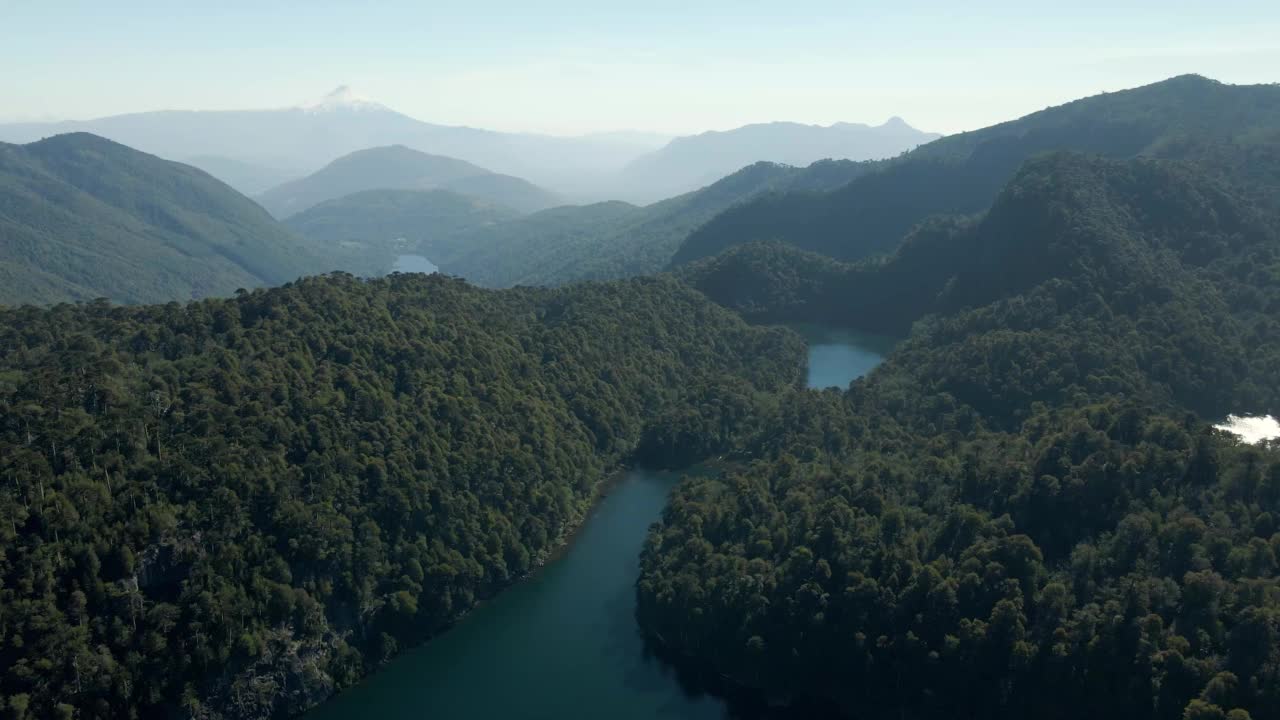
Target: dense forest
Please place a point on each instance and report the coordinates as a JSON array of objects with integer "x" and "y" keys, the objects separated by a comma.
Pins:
[
  {"x": 1022, "y": 512},
  {"x": 234, "y": 508}
]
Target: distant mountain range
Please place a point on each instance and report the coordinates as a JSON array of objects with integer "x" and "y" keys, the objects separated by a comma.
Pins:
[
  {"x": 134, "y": 228},
  {"x": 87, "y": 217},
  {"x": 254, "y": 150},
  {"x": 688, "y": 163},
  {"x": 292, "y": 142},
  {"x": 82, "y": 217},
  {"x": 400, "y": 168}
]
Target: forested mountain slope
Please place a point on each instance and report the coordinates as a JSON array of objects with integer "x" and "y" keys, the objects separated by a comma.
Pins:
[
  {"x": 1023, "y": 511},
  {"x": 1105, "y": 217},
  {"x": 232, "y": 508},
  {"x": 1184, "y": 117},
  {"x": 363, "y": 233},
  {"x": 615, "y": 240},
  {"x": 82, "y": 217},
  {"x": 397, "y": 167}
]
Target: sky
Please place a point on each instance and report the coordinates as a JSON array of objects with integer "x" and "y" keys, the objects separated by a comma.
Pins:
[{"x": 580, "y": 66}]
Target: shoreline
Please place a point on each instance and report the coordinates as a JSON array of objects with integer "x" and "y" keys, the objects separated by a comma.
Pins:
[{"x": 561, "y": 545}]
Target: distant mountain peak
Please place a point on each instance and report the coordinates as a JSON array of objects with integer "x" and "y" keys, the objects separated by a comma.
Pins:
[{"x": 343, "y": 97}]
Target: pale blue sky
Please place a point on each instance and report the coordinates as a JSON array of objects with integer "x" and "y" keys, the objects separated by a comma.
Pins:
[{"x": 570, "y": 66}]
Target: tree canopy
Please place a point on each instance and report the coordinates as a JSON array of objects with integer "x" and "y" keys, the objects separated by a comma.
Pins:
[{"x": 235, "y": 507}]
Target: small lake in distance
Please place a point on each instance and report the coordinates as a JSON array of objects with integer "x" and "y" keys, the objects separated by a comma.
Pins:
[{"x": 413, "y": 264}]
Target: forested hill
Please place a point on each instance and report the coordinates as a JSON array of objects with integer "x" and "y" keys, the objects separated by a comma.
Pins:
[
  {"x": 1184, "y": 117},
  {"x": 232, "y": 508},
  {"x": 1024, "y": 511},
  {"x": 397, "y": 167},
  {"x": 615, "y": 240},
  {"x": 82, "y": 217},
  {"x": 364, "y": 232},
  {"x": 1144, "y": 221},
  {"x": 1162, "y": 240}
]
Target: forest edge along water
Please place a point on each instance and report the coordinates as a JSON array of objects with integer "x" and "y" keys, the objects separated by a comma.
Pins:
[{"x": 563, "y": 643}]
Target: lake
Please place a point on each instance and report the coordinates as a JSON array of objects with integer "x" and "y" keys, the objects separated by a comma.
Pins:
[
  {"x": 838, "y": 357},
  {"x": 564, "y": 643},
  {"x": 413, "y": 264}
]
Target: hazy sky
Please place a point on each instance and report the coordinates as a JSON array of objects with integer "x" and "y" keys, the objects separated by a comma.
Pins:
[{"x": 570, "y": 66}]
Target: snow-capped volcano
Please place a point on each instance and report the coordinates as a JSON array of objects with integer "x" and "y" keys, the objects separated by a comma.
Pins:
[{"x": 343, "y": 98}]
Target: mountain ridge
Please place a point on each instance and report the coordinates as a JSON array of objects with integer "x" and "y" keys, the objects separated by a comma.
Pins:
[
  {"x": 1016, "y": 510},
  {"x": 366, "y": 231},
  {"x": 298, "y": 140},
  {"x": 399, "y": 167},
  {"x": 88, "y": 217},
  {"x": 962, "y": 173},
  {"x": 692, "y": 161},
  {"x": 615, "y": 239}
]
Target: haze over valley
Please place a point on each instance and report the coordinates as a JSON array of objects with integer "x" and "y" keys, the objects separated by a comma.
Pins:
[{"x": 255, "y": 150}]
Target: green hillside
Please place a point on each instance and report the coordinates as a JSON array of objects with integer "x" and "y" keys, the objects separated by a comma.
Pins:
[
  {"x": 84, "y": 217},
  {"x": 615, "y": 240},
  {"x": 397, "y": 167},
  {"x": 365, "y": 231}
]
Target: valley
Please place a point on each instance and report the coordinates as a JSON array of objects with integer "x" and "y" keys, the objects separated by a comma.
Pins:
[
  {"x": 979, "y": 427},
  {"x": 574, "y": 618}
]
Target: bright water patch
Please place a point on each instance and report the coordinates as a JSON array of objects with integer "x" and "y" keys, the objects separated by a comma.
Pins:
[
  {"x": 1252, "y": 430},
  {"x": 838, "y": 357},
  {"x": 413, "y": 264},
  {"x": 563, "y": 644}
]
